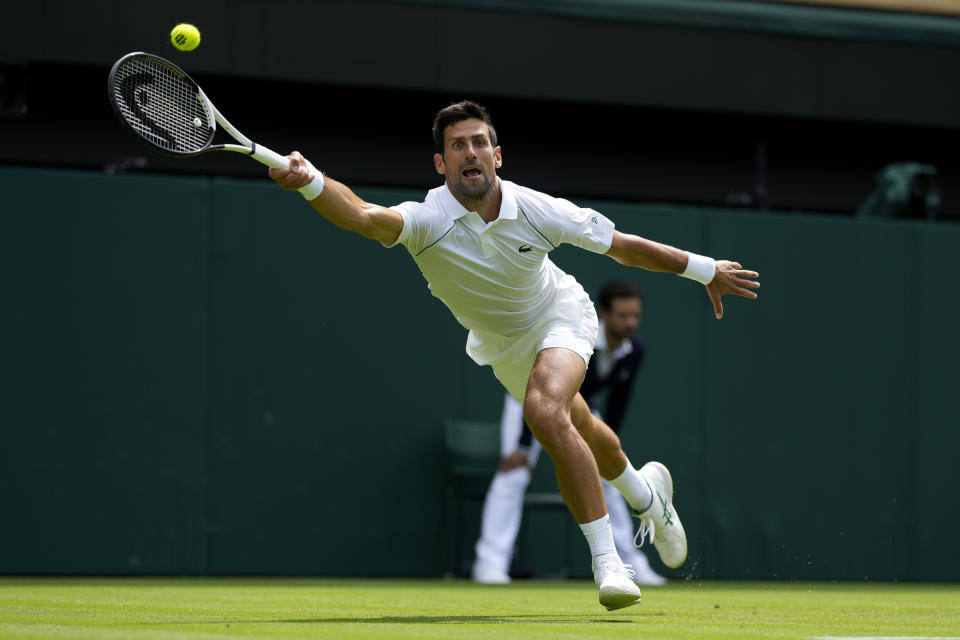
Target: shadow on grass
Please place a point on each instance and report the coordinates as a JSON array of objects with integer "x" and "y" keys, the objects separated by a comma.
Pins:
[
  {"x": 505, "y": 619},
  {"x": 513, "y": 619}
]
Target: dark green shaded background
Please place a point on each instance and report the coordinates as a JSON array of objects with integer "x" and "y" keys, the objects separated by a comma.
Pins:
[{"x": 203, "y": 376}]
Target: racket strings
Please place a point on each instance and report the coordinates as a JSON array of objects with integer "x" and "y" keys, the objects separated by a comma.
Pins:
[{"x": 162, "y": 106}]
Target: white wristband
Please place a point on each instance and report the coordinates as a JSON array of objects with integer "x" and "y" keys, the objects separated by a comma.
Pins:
[
  {"x": 700, "y": 268},
  {"x": 313, "y": 188}
]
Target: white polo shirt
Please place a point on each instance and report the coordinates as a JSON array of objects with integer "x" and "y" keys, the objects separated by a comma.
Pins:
[{"x": 497, "y": 278}]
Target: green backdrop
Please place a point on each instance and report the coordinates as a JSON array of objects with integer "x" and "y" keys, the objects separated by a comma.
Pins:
[{"x": 202, "y": 376}]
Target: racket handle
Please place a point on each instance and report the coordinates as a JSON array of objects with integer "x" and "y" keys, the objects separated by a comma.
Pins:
[{"x": 268, "y": 157}]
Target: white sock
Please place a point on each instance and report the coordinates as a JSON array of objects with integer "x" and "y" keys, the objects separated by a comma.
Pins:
[
  {"x": 599, "y": 536},
  {"x": 633, "y": 488}
]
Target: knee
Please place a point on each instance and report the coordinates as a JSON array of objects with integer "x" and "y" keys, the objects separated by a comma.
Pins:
[
  {"x": 539, "y": 410},
  {"x": 547, "y": 418}
]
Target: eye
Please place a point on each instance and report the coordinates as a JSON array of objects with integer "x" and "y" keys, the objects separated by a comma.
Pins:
[{"x": 480, "y": 142}]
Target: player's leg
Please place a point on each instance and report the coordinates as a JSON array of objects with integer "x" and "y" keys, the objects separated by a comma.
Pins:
[
  {"x": 553, "y": 383},
  {"x": 603, "y": 442},
  {"x": 551, "y": 388},
  {"x": 622, "y": 525},
  {"x": 648, "y": 491},
  {"x": 612, "y": 462}
]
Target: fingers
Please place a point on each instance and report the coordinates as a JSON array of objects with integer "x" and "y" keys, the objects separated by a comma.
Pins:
[
  {"x": 740, "y": 287},
  {"x": 735, "y": 268},
  {"x": 740, "y": 280},
  {"x": 715, "y": 298},
  {"x": 294, "y": 177},
  {"x": 733, "y": 279}
]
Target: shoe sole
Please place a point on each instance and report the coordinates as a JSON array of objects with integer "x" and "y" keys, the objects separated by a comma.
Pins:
[{"x": 614, "y": 601}]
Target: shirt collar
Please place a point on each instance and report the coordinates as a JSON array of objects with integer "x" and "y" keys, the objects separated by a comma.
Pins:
[{"x": 508, "y": 202}]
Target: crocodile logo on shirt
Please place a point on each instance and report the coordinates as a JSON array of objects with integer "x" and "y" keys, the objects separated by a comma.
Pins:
[{"x": 525, "y": 247}]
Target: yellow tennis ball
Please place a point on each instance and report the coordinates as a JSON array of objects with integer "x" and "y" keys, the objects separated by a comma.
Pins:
[{"x": 185, "y": 37}]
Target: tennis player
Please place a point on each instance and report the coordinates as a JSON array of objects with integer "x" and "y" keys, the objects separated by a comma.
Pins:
[{"x": 482, "y": 244}]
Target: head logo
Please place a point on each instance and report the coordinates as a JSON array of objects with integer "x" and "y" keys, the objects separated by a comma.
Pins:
[{"x": 595, "y": 221}]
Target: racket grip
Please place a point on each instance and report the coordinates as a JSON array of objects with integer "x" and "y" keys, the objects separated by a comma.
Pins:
[{"x": 268, "y": 157}]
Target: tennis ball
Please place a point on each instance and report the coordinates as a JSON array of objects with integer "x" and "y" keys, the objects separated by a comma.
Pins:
[{"x": 185, "y": 37}]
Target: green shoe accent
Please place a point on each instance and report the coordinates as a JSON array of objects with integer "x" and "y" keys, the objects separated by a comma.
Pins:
[
  {"x": 668, "y": 520},
  {"x": 638, "y": 514}
]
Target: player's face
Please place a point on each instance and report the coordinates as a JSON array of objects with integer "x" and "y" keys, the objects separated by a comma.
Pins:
[
  {"x": 622, "y": 318},
  {"x": 469, "y": 160}
]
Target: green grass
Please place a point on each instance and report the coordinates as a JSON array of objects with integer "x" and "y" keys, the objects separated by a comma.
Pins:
[{"x": 180, "y": 608}]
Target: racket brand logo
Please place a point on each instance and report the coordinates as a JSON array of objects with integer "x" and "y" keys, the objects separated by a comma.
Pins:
[
  {"x": 133, "y": 91},
  {"x": 524, "y": 248}
]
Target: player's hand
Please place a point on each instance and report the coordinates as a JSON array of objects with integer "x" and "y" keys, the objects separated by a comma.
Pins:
[
  {"x": 733, "y": 279},
  {"x": 512, "y": 461},
  {"x": 297, "y": 176}
]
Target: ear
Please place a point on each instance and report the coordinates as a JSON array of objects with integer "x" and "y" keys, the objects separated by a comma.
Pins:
[
  {"x": 438, "y": 163},
  {"x": 498, "y": 157}
]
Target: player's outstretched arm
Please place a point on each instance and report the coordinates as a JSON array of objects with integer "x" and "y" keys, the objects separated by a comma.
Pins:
[
  {"x": 338, "y": 203},
  {"x": 635, "y": 251},
  {"x": 726, "y": 277}
]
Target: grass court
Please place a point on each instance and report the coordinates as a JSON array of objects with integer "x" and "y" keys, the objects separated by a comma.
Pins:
[{"x": 182, "y": 608}]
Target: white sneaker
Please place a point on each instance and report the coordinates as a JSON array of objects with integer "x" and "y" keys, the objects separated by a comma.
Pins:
[
  {"x": 660, "y": 521},
  {"x": 483, "y": 574},
  {"x": 615, "y": 581}
]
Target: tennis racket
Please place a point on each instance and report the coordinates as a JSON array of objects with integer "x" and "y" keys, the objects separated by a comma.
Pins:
[{"x": 166, "y": 110}]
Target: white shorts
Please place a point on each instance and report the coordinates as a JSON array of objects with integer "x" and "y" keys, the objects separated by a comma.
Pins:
[{"x": 571, "y": 323}]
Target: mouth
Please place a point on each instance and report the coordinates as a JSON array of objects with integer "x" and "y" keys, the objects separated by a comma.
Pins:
[{"x": 471, "y": 172}]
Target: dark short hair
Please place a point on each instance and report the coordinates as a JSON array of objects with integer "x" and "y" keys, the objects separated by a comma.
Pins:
[
  {"x": 456, "y": 112},
  {"x": 617, "y": 289}
]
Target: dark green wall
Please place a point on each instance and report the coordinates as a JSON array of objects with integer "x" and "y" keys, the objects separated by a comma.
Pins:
[
  {"x": 714, "y": 55},
  {"x": 202, "y": 376},
  {"x": 707, "y": 101}
]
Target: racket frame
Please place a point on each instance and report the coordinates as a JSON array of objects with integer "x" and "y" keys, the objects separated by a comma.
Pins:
[{"x": 247, "y": 146}]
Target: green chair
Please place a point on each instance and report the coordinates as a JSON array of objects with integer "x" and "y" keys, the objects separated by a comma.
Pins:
[{"x": 472, "y": 455}]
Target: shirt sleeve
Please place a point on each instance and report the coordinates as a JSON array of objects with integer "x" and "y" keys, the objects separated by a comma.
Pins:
[
  {"x": 413, "y": 214},
  {"x": 565, "y": 222},
  {"x": 584, "y": 228}
]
